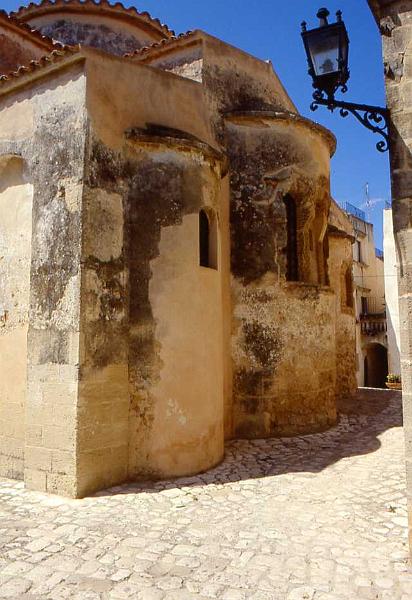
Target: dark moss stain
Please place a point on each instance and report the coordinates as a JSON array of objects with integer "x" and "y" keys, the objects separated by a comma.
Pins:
[
  {"x": 258, "y": 234},
  {"x": 235, "y": 90},
  {"x": 263, "y": 342},
  {"x": 112, "y": 299},
  {"x": 156, "y": 194},
  {"x": 103, "y": 344},
  {"x": 48, "y": 346},
  {"x": 310, "y": 293},
  {"x": 107, "y": 169},
  {"x": 250, "y": 429},
  {"x": 91, "y": 34},
  {"x": 247, "y": 382},
  {"x": 51, "y": 277},
  {"x": 56, "y": 153}
]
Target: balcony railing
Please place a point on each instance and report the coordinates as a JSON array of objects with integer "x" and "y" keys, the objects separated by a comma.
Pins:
[{"x": 373, "y": 326}]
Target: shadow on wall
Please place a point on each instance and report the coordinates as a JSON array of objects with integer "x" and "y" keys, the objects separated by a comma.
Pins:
[{"x": 362, "y": 419}]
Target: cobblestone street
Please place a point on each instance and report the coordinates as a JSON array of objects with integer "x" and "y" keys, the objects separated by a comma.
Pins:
[{"x": 320, "y": 517}]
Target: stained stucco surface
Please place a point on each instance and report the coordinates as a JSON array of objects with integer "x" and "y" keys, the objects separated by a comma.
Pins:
[{"x": 140, "y": 360}]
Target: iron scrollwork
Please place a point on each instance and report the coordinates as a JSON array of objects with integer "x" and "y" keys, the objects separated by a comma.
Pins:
[{"x": 374, "y": 118}]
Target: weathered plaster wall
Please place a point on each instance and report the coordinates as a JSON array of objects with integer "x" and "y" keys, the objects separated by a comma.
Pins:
[
  {"x": 186, "y": 61},
  {"x": 233, "y": 80},
  {"x": 113, "y": 36},
  {"x": 131, "y": 342},
  {"x": 57, "y": 159},
  {"x": 237, "y": 81},
  {"x": 16, "y": 196},
  {"x": 163, "y": 92},
  {"x": 277, "y": 389},
  {"x": 179, "y": 361},
  {"x": 340, "y": 263},
  {"x": 103, "y": 404},
  {"x": 152, "y": 317},
  {"x": 46, "y": 127},
  {"x": 152, "y": 320}
]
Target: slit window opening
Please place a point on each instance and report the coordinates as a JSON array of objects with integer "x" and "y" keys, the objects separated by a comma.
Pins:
[{"x": 207, "y": 240}]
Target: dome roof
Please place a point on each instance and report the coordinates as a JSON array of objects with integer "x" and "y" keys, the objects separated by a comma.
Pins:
[{"x": 141, "y": 20}]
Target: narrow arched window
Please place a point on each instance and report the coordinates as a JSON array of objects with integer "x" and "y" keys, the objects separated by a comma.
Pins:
[
  {"x": 204, "y": 239},
  {"x": 207, "y": 240},
  {"x": 292, "y": 269}
]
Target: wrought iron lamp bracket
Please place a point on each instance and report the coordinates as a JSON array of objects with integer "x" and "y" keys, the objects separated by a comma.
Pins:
[{"x": 374, "y": 118}]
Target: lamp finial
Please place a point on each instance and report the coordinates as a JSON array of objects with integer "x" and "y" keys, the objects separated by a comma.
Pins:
[{"x": 323, "y": 15}]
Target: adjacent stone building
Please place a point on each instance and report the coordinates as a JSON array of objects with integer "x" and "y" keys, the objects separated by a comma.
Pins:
[
  {"x": 394, "y": 19},
  {"x": 369, "y": 302},
  {"x": 172, "y": 272}
]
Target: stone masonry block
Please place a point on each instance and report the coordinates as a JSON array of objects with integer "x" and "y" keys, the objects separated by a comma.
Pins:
[
  {"x": 10, "y": 446},
  {"x": 63, "y": 485},
  {"x": 63, "y": 463},
  {"x": 39, "y": 459},
  {"x": 34, "y": 434},
  {"x": 35, "y": 480},
  {"x": 60, "y": 438}
]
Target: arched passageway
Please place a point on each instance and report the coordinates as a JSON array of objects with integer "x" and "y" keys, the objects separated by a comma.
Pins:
[{"x": 376, "y": 366}]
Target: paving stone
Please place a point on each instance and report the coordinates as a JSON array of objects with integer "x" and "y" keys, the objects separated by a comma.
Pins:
[
  {"x": 318, "y": 517},
  {"x": 14, "y": 588}
]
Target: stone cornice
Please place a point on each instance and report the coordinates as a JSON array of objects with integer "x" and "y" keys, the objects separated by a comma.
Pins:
[
  {"x": 242, "y": 117},
  {"x": 180, "y": 140}
]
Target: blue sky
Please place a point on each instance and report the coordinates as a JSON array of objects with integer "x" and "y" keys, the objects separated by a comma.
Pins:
[{"x": 270, "y": 29}]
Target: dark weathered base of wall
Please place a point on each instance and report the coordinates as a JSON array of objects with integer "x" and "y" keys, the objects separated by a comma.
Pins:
[{"x": 261, "y": 426}]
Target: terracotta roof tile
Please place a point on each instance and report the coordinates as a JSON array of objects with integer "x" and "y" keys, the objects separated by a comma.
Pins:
[
  {"x": 55, "y": 56},
  {"x": 170, "y": 41},
  {"x": 24, "y": 13},
  {"x": 37, "y": 37}
]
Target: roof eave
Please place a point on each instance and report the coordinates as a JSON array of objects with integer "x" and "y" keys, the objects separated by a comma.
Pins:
[
  {"x": 24, "y": 30},
  {"x": 38, "y": 69},
  {"x": 117, "y": 11}
]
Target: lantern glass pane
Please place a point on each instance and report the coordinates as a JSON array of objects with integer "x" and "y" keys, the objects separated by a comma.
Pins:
[
  {"x": 324, "y": 50},
  {"x": 344, "y": 49}
]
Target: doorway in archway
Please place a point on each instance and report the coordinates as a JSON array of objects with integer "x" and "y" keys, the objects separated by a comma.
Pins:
[{"x": 376, "y": 366}]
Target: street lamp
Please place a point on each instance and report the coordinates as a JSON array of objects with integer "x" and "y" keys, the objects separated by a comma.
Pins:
[{"x": 327, "y": 51}]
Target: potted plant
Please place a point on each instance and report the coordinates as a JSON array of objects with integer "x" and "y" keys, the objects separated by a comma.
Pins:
[{"x": 394, "y": 382}]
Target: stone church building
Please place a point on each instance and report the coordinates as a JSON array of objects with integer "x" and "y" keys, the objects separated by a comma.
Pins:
[{"x": 173, "y": 271}]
